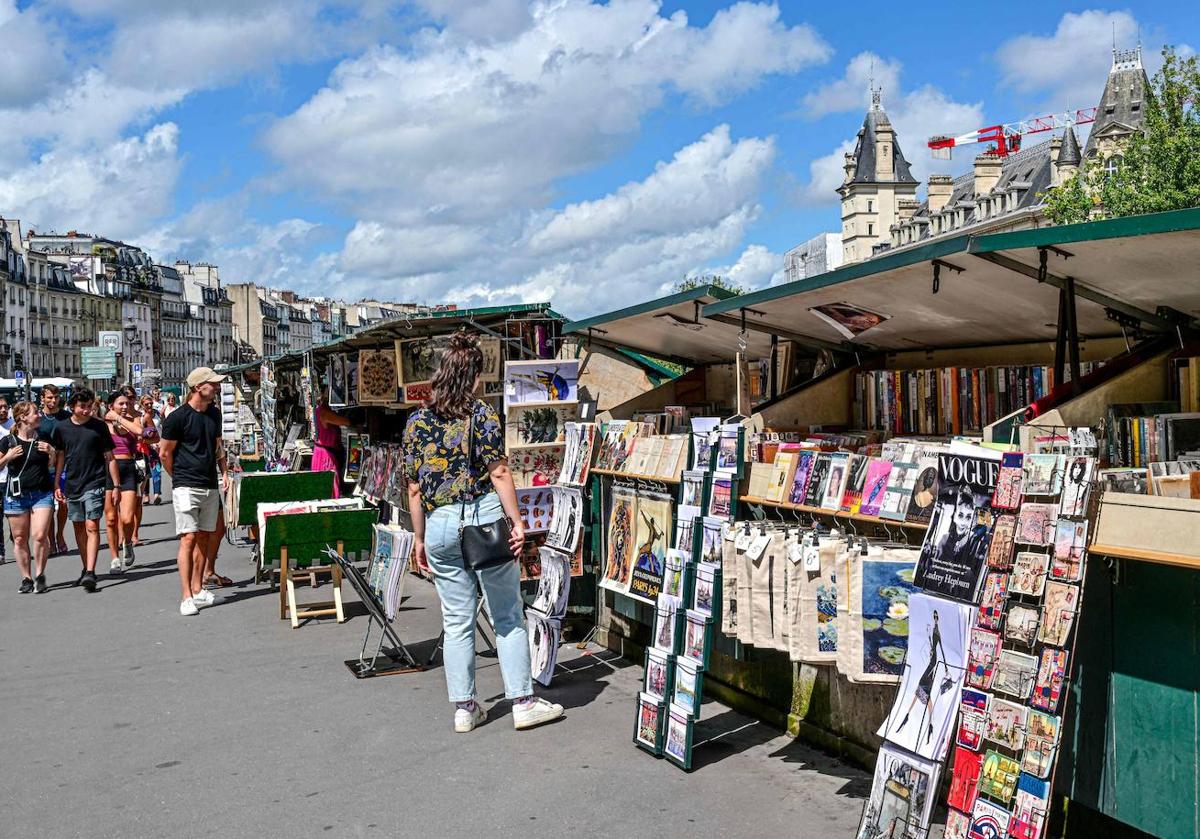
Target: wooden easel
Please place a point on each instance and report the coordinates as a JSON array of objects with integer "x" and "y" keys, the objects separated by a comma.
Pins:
[{"x": 289, "y": 608}]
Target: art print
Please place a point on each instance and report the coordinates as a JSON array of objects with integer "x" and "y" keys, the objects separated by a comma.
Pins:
[
  {"x": 1035, "y": 525},
  {"x": 1052, "y": 672},
  {"x": 1029, "y": 573},
  {"x": 957, "y": 825},
  {"x": 920, "y": 720},
  {"x": 648, "y": 733},
  {"x": 1041, "y": 743},
  {"x": 1000, "y": 551},
  {"x": 902, "y": 793},
  {"x": 1043, "y": 474},
  {"x": 1010, "y": 482},
  {"x": 1070, "y": 541},
  {"x": 1021, "y": 624},
  {"x": 1006, "y": 724},
  {"x": 987, "y": 820},
  {"x": 544, "y": 426},
  {"x": 707, "y": 592},
  {"x": 964, "y": 779},
  {"x": 666, "y": 624},
  {"x": 377, "y": 382},
  {"x": 566, "y": 519},
  {"x": 492, "y": 359},
  {"x": 954, "y": 553},
  {"x": 1015, "y": 674},
  {"x": 540, "y": 382},
  {"x": 998, "y": 779},
  {"x": 692, "y": 489},
  {"x": 972, "y": 718},
  {"x": 835, "y": 483},
  {"x": 883, "y": 603},
  {"x": 875, "y": 487},
  {"x": 659, "y": 677},
  {"x": 554, "y": 585},
  {"x": 535, "y": 506},
  {"x": 818, "y": 479},
  {"x": 337, "y": 380},
  {"x": 1077, "y": 485},
  {"x": 536, "y": 467},
  {"x": 650, "y": 540},
  {"x": 672, "y": 584},
  {"x": 729, "y": 455},
  {"x": 995, "y": 596},
  {"x": 981, "y": 658},
  {"x": 720, "y": 504},
  {"x": 688, "y": 676},
  {"x": 419, "y": 358},
  {"x": 619, "y": 556},
  {"x": 677, "y": 746},
  {"x": 1029, "y": 808},
  {"x": 697, "y": 636},
  {"x": 356, "y": 447},
  {"x": 1058, "y": 613},
  {"x": 544, "y": 636},
  {"x": 925, "y": 492}
]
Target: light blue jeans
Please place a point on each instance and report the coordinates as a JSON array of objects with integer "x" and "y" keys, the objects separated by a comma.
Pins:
[{"x": 458, "y": 589}]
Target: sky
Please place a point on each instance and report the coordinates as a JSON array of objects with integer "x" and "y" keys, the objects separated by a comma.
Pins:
[{"x": 482, "y": 152}]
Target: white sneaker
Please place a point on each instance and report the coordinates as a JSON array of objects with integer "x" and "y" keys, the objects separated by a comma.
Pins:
[
  {"x": 535, "y": 713},
  {"x": 204, "y": 598},
  {"x": 115, "y": 567},
  {"x": 465, "y": 720},
  {"x": 188, "y": 608}
]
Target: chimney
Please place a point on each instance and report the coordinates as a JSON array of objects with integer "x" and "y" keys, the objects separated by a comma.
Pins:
[
  {"x": 905, "y": 207},
  {"x": 987, "y": 172},
  {"x": 940, "y": 188}
]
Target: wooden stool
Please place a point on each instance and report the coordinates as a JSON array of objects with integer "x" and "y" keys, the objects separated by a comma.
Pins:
[{"x": 289, "y": 608}]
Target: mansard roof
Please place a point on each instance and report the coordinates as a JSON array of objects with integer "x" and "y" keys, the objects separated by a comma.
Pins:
[
  {"x": 865, "y": 152},
  {"x": 1122, "y": 104}
]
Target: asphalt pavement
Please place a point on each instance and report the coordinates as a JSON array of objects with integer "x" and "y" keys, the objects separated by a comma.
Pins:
[{"x": 123, "y": 719}]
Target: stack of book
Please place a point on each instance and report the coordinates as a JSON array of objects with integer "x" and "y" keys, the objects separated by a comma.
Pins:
[
  {"x": 1138, "y": 434},
  {"x": 657, "y": 457}
]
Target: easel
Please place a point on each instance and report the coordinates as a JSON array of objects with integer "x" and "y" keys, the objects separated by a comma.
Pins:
[{"x": 289, "y": 608}]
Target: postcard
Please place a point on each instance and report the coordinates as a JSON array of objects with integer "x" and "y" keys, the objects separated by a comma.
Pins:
[
  {"x": 1021, "y": 624},
  {"x": 1015, "y": 674},
  {"x": 1006, "y": 724},
  {"x": 1029, "y": 573},
  {"x": 1052, "y": 671},
  {"x": 1058, "y": 613},
  {"x": 972, "y": 718},
  {"x": 995, "y": 595},
  {"x": 1035, "y": 525},
  {"x": 1070, "y": 540},
  {"x": 981, "y": 658}
]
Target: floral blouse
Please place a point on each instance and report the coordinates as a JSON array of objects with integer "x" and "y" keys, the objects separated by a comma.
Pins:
[{"x": 435, "y": 455}]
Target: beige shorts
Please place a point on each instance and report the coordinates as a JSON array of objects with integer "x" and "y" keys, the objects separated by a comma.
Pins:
[{"x": 195, "y": 509}]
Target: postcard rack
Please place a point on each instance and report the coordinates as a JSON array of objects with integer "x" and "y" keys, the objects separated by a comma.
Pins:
[{"x": 398, "y": 658}]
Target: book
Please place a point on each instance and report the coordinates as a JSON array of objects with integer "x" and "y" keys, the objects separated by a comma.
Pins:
[
  {"x": 856, "y": 479},
  {"x": 875, "y": 486},
  {"x": 784, "y": 468}
]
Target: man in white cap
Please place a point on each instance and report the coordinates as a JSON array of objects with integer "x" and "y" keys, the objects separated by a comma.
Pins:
[{"x": 192, "y": 455}]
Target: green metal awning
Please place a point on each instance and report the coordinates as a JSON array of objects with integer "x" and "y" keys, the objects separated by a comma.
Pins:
[
  {"x": 671, "y": 328},
  {"x": 434, "y": 323}
]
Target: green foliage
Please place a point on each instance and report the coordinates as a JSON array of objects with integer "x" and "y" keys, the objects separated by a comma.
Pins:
[
  {"x": 1160, "y": 165},
  {"x": 689, "y": 283}
]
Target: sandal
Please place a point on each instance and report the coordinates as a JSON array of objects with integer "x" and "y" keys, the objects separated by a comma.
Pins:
[{"x": 217, "y": 581}]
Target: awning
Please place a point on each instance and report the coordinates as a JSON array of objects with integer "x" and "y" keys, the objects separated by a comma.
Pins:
[{"x": 671, "y": 328}]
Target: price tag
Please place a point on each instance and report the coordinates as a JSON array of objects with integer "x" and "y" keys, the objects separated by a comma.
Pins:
[
  {"x": 743, "y": 540},
  {"x": 812, "y": 555},
  {"x": 755, "y": 551},
  {"x": 795, "y": 552}
]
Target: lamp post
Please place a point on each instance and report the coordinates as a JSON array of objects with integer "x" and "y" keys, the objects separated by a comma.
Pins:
[{"x": 133, "y": 343}]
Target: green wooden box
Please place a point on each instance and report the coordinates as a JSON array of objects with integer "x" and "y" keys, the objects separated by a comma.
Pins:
[
  {"x": 268, "y": 487},
  {"x": 306, "y": 535}
]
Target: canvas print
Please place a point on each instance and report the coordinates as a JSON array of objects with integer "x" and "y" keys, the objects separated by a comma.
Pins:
[
  {"x": 1000, "y": 549},
  {"x": 650, "y": 545},
  {"x": 688, "y": 678},
  {"x": 1043, "y": 474},
  {"x": 972, "y": 718},
  {"x": 995, "y": 596},
  {"x": 554, "y": 585},
  {"x": 987, "y": 820},
  {"x": 534, "y": 382},
  {"x": 1029, "y": 808},
  {"x": 875, "y": 486},
  {"x": 1077, "y": 483},
  {"x": 619, "y": 557},
  {"x": 697, "y": 636},
  {"x": 902, "y": 793},
  {"x": 666, "y": 625},
  {"x": 1015, "y": 674},
  {"x": 648, "y": 733},
  {"x": 1035, "y": 525},
  {"x": 920, "y": 719},
  {"x": 1058, "y": 613},
  {"x": 1029, "y": 573},
  {"x": 1005, "y": 724},
  {"x": 658, "y": 680},
  {"x": 1070, "y": 540},
  {"x": 887, "y": 586},
  {"x": 981, "y": 658},
  {"x": 1021, "y": 624},
  {"x": 535, "y": 505},
  {"x": 377, "y": 382},
  {"x": 925, "y": 492},
  {"x": 493, "y": 359},
  {"x": 1052, "y": 672},
  {"x": 1041, "y": 743},
  {"x": 542, "y": 426},
  {"x": 964, "y": 779},
  {"x": 677, "y": 744},
  {"x": 954, "y": 553},
  {"x": 1010, "y": 482},
  {"x": 544, "y": 636}
]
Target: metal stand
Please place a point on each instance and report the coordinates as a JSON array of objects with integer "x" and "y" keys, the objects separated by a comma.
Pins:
[
  {"x": 400, "y": 660},
  {"x": 482, "y": 624}
]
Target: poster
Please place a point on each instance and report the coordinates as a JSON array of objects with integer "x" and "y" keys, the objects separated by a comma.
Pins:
[
  {"x": 544, "y": 637},
  {"x": 492, "y": 351},
  {"x": 902, "y": 794},
  {"x": 356, "y": 447},
  {"x": 377, "y": 382},
  {"x": 653, "y": 529},
  {"x": 337, "y": 381},
  {"x": 619, "y": 554},
  {"x": 540, "y": 382},
  {"x": 929, "y": 695},
  {"x": 566, "y": 520},
  {"x": 954, "y": 553},
  {"x": 545, "y": 426},
  {"x": 535, "y": 505},
  {"x": 554, "y": 585}
]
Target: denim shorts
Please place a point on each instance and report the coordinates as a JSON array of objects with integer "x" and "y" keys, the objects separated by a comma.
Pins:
[
  {"x": 87, "y": 507},
  {"x": 28, "y": 501}
]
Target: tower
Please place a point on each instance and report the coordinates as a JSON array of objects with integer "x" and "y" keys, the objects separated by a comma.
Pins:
[
  {"x": 1120, "y": 110},
  {"x": 876, "y": 180}
]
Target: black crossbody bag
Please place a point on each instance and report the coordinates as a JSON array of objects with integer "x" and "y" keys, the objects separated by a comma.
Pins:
[{"x": 483, "y": 545}]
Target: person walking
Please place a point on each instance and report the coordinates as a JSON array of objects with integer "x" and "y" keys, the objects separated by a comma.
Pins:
[
  {"x": 6, "y": 424},
  {"x": 84, "y": 447},
  {"x": 457, "y": 472},
  {"x": 28, "y": 494},
  {"x": 121, "y": 513},
  {"x": 53, "y": 413},
  {"x": 148, "y": 447},
  {"x": 192, "y": 455}
]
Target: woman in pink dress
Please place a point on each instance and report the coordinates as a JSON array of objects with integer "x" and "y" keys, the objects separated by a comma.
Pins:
[{"x": 327, "y": 451}]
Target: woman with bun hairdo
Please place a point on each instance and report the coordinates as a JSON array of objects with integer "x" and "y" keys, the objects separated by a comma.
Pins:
[{"x": 458, "y": 473}]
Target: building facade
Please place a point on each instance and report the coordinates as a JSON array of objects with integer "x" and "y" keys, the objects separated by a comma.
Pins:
[{"x": 816, "y": 256}]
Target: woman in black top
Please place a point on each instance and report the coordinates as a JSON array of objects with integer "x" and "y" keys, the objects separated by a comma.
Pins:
[{"x": 29, "y": 492}]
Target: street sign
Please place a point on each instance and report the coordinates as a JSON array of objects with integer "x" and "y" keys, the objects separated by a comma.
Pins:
[
  {"x": 136, "y": 368},
  {"x": 110, "y": 339},
  {"x": 98, "y": 362},
  {"x": 19, "y": 377}
]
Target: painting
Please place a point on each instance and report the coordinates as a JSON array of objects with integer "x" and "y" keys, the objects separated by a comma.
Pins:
[
  {"x": 536, "y": 466},
  {"x": 659, "y": 676},
  {"x": 544, "y": 426},
  {"x": 902, "y": 794},
  {"x": 667, "y": 616},
  {"x": 1058, "y": 613},
  {"x": 673, "y": 576},
  {"x": 677, "y": 745},
  {"x": 697, "y": 636},
  {"x": 540, "y": 382},
  {"x": 720, "y": 502},
  {"x": 689, "y": 678},
  {"x": 882, "y": 613},
  {"x": 706, "y": 596}
]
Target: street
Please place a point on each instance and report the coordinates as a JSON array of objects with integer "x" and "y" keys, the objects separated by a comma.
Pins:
[{"x": 124, "y": 719}]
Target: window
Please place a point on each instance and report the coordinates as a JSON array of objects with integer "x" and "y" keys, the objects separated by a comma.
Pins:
[
  {"x": 870, "y": 230},
  {"x": 1112, "y": 165},
  {"x": 870, "y": 206}
]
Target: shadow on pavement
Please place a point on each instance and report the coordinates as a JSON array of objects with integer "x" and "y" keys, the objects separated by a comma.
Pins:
[
  {"x": 809, "y": 759},
  {"x": 725, "y": 735}
]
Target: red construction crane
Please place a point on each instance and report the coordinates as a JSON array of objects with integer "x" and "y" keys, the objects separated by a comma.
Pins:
[{"x": 1007, "y": 138}]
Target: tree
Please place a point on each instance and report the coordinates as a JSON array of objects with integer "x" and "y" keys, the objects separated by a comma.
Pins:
[
  {"x": 1159, "y": 168},
  {"x": 689, "y": 283}
]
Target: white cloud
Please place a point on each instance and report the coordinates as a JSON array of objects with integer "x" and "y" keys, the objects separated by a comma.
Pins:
[
  {"x": 757, "y": 266},
  {"x": 32, "y": 60},
  {"x": 851, "y": 91},
  {"x": 483, "y": 20}
]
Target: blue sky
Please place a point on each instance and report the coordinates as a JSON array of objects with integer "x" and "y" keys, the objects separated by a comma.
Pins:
[{"x": 486, "y": 151}]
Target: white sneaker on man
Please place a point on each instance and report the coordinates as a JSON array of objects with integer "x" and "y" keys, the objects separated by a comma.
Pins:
[
  {"x": 204, "y": 598},
  {"x": 188, "y": 608},
  {"x": 115, "y": 567},
  {"x": 537, "y": 712},
  {"x": 465, "y": 720}
]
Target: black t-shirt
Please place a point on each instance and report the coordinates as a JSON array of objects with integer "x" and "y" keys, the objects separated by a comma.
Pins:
[
  {"x": 31, "y": 466},
  {"x": 46, "y": 426},
  {"x": 85, "y": 446},
  {"x": 196, "y": 435}
]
